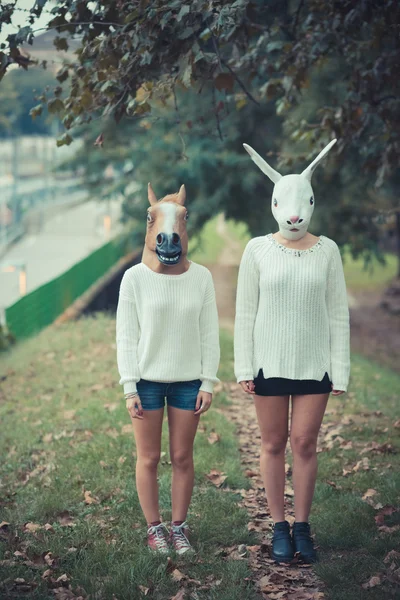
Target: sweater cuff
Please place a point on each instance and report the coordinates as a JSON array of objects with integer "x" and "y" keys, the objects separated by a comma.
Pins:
[
  {"x": 339, "y": 387},
  {"x": 246, "y": 377},
  {"x": 207, "y": 386},
  {"x": 130, "y": 387}
]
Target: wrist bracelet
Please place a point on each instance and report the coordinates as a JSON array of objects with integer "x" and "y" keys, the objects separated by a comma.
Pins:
[{"x": 131, "y": 395}]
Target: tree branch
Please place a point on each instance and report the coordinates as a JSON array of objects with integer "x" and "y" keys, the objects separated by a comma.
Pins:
[{"x": 241, "y": 84}]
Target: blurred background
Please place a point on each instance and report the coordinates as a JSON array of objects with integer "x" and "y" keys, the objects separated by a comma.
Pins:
[{"x": 76, "y": 159}]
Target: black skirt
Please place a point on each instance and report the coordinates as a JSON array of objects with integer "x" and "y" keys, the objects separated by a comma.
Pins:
[{"x": 279, "y": 386}]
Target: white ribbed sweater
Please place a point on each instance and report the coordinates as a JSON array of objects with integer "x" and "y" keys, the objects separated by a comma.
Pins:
[
  {"x": 167, "y": 327},
  {"x": 292, "y": 316}
]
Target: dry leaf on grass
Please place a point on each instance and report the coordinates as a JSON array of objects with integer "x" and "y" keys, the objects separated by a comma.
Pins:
[
  {"x": 392, "y": 555},
  {"x": 177, "y": 575},
  {"x": 373, "y": 582},
  {"x": 111, "y": 406},
  {"x": 144, "y": 590},
  {"x": 213, "y": 438},
  {"x": 89, "y": 498},
  {"x": 181, "y": 595},
  {"x": 69, "y": 414},
  {"x": 32, "y": 527},
  {"x": 216, "y": 477}
]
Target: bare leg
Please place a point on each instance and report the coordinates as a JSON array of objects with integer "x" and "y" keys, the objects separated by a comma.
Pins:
[
  {"x": 148, "y": 447},
  {"x": 307, "y": 414},
  {"x": 272, "y": 415},
  {"x": 182, "y": 430}
]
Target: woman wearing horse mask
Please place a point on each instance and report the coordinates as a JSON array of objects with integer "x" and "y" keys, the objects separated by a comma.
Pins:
[
  {"x": 167, "y": 349},
  {"x": 291, "y": 340}
]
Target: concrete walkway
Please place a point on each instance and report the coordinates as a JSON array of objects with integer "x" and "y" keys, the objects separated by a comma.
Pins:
[{"x": 64, "y": 239}]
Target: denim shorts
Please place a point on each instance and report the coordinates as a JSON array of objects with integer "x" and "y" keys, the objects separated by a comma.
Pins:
[{"x": 179, "y": 394}]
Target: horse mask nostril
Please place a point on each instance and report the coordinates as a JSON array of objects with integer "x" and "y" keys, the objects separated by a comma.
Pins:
[
  {"x": 175, "y": 238},
  {"x": 160, "y": 239}
]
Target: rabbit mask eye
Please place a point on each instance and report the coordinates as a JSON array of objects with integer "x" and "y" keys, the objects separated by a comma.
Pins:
[
  {"x": 311, "y": 200},
  {"x": 275, "y": 202}
]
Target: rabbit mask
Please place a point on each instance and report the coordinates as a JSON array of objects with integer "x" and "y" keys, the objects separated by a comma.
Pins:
[{"x": 292, "y": 197}]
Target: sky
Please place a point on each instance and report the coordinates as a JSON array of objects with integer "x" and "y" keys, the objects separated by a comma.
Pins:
[{"x": 20, "y": 18}]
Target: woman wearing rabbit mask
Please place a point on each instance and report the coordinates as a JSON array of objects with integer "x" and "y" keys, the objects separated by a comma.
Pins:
[{"x": 291, "y": 340}]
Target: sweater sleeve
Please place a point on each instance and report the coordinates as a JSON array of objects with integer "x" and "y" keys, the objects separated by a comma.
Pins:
[
  {"x": 339, "y": 323},
  {"x": 127, "y": 336},
  {"x": 247, "y": 298},
  {"x": 209, "y": 337}
]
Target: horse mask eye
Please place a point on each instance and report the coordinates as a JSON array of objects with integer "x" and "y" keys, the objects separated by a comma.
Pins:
[
  {"x": 275, "y": 202},
  {"x": 311, "y": 200}
]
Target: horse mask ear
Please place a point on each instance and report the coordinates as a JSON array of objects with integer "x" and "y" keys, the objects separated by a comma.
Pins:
[
  {"x": 151, "y": 195},
  {"x": 181, "y": 195},
  {"x": 263, "y": 165},
  {"x": 308, "y": 172}
]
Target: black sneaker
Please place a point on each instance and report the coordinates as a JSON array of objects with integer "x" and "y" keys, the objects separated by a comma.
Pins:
[
  {"x": 282, "y": 547},
  {"x": 303, "y": 542}
]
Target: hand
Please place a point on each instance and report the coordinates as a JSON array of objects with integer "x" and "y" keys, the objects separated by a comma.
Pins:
[
  {"x": 337, "y": 392},
  {"x": 203, "y": 402},
  {"x": 248, "y": 387},
  {"x": 134, "y": 407}
]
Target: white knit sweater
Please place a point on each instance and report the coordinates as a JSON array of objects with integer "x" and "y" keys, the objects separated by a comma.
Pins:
[
  {"x": 292, "y": 316},
  {"x": 167, "y": 327}
]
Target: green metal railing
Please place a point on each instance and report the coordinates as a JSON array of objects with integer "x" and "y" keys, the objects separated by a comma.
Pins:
[{"x": 42, "y": 306}]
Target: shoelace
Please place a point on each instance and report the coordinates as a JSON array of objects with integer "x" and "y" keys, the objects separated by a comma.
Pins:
[
  {"x": 159, "y": 534},
  {"x": 180, "y": 538}
]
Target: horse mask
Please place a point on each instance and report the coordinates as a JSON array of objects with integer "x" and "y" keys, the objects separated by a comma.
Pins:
[
  {"x": 166, "y": 240},
  {"x": 292, "y": 200}
]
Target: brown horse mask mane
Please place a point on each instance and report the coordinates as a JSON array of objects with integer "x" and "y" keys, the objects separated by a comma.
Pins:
[{"x": 166, "y": 242}]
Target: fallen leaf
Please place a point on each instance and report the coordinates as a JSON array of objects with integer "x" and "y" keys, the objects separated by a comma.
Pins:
[
  {"x": 127, "y": 428},
  {"x": 103, "y": 464},
  {"x": 4, "y": 525},
  {"x": 89, "y": 498},
  {"x": 121, "y": 460},
  {"x": 383, "y": 512},
  {"x": 369, "y": 494},
  {"x": 111, "y": 406},
  {"x": 144, "y": 590},
  {"x": 48, "y": 559},
  {"x": 392, "y": 555},
  {"x": 213, "y": 438},
  {"x": 177, "y": 575},
  {"x": 47, "y": 438},
  {"x": 32, "y": 527},
  {"x": 373, "y": 582},
  {"x": 49, "y": 527},
  {"x": 362, "y": 464},
  {"x": 179, "y": 596},
  {"x": 216, "y": 477},
  {"x": 69, "y": 414}
]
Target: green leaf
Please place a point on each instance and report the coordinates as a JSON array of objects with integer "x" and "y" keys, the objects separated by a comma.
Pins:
[
  {"x": 56, "y": 105},
  {"x": 63, "y": 74},
  {"x": 60, "y": 43},
  {"x": 64, "y": 140},
  {"x": 36, "y": 111},
  {"x": 184, "y": 11}
]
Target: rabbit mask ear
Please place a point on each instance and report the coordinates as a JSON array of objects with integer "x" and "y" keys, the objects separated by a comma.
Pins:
[
  {"x": 263, "y": 165},
  {"x": 308, "y": 172}
]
